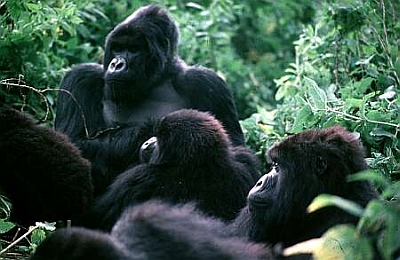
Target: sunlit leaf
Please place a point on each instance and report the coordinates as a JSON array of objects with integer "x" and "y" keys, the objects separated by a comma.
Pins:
[
  {"x": 378, "y": 131},
  {"x": 50, "y": 226},
  {"x": 369, "y": 175},
  {"x": 317, "y": 96},
  {"x": 326, "y": 200},
  {"x": 5, "y": 226},
  {"x": 343, "y": 242},
  {"x": 383, "y": 217}
]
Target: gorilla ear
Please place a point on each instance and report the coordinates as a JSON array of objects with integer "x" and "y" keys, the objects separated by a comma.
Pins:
[{"x": 321, "y": 165}]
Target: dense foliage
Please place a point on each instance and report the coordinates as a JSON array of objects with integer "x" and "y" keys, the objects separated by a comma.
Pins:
[{"x": 292, "y": 65}]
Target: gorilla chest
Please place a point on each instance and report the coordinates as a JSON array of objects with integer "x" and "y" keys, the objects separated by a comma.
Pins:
[{"x": 160, "y": 101}]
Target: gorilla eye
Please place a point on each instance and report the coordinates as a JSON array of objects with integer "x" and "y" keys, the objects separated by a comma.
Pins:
[{"x": 275, "y": 166}]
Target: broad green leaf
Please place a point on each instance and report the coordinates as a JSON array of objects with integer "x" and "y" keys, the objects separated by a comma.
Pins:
[
  {"x": 381, "y": 132},
  {"x": 383, "y": 217},
  {"x": 343, "y": 242},
  {"x": 301, "y": 118},
  {"x": 378, "y": 116},
  {"x": 33, "y": 7},
  {"x": 38, "y": 236},
  {"x": 326, "y": 200},
  {"x": 393, "y": 191},
  {"x": 317, "y": 96},
  {"x": 369, "y": 175},
  {"x": 5, "y": 226},
  {"x": 363, "y": 85},
  {"x": 354, "y": 102}
]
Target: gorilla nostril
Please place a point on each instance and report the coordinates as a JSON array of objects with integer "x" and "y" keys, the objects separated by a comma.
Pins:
[
  {"x": 120, "y": 66},
  {"x": 117, "y": 64}
]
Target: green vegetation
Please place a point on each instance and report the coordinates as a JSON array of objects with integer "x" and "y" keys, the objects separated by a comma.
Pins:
[{"x": 291, "y": 66}]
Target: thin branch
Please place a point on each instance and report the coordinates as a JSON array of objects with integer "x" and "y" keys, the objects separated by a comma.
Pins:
[
  {"x": 344, "y": 114},
  {"x": 41, "y": 92},
  {"x": 19, "y": 239}
]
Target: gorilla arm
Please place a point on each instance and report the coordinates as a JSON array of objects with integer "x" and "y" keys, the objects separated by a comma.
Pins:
[
  {"x": 80, "y": 116},
  {"x": 206, "y": 91}
]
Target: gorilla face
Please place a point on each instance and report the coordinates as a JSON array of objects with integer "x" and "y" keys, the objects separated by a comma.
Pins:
[
  {"x": 138, "y": 52},
  {"x": 296, "y": 177},
  {"x": 128, "y": 52},
  {"x": 261, "y": 196}
]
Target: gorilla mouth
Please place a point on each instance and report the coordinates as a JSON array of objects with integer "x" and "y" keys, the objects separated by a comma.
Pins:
[
  {"x": 258, "y": 202},
  {"x": 116, "y": 81},
  {"x": 257, "y": 206}
]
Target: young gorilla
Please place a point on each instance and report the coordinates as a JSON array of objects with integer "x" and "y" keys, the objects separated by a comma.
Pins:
[
  {"x": 105, "y": 108},
  {"x": 153, "y": 230},
  {"x": 304, "y": 166},
  {"x": 190, "y": 159},
  {"x": 43, "y": 174}
]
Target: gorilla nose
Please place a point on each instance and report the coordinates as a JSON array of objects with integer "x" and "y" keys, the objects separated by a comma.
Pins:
[
  {"x": 146, "y": 150},
  {"x": 259, "y": 185},
  {"x": 117, "y": 64}
]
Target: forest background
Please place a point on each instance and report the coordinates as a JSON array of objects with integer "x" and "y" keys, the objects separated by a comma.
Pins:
[{"x": 291, "y": 66}]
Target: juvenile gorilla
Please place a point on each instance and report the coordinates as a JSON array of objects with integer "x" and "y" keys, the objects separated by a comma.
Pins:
[
  {"x": 304, "y": 166},
  {"x": 153, "y": 230},
  {"x": 43, "y": 174},
  {"x": 107, "y": 109},
  {"x": 191, "y": 160}
]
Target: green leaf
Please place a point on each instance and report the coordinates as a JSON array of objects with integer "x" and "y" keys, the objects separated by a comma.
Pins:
[
  {"x": 378, "y": 116},
  {"x": 49, "y": 226},
  {"x": 381, "y": 132},
  {"x": 369, "y": 175},
  {"x": 38, "y": 236},
  {"x": 363, "y": 85},
  {"x": 383, "y": 218},
  {"x": 317, "y": 96},
  {"x": 5, "y": 226},
  {"x": 326, "y": 200},
  {"x": 195, "y": 6},
  {"x": 343, "y": 242},
  {"x": 33, "y": 7},
  {"x": 301, "y": 118},
  {"x": 354, "y": 102}
]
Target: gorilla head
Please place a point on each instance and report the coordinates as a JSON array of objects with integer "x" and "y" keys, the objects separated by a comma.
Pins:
[
  {"x": 305, "y": 165},
  {"x": 187, "y": 136},
  {"x": 138, "y": 52}
]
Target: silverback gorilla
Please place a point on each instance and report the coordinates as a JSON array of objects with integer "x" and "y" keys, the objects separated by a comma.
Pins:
[
  {"x": 108, "y": 110},
  {"x": 304, "y": 166},
  {"x": 190, "y": 159},
  {"x": 43, "y": 174},
  {"x": 153, "y": 230}
]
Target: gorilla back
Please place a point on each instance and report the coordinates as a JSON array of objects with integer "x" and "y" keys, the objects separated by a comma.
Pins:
[
  {"x": 106, "y": 109},
  {"x": 43, "y": 174}
]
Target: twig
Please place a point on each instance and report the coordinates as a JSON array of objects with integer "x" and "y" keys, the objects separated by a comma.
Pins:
[
  {"x": 19, "y": 239},
  {"x": 41, "y": 91}
]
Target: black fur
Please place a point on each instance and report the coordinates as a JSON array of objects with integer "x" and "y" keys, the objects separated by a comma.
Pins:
[
  {"x": 106, "y": 109},
  {"x": 153, "y": 230},
  {"x": 80, "y": 244},
  {"x": 43, "y": 174},
  {"x": 304, "y": 166},
  {"x": 194, "y": 160}
]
